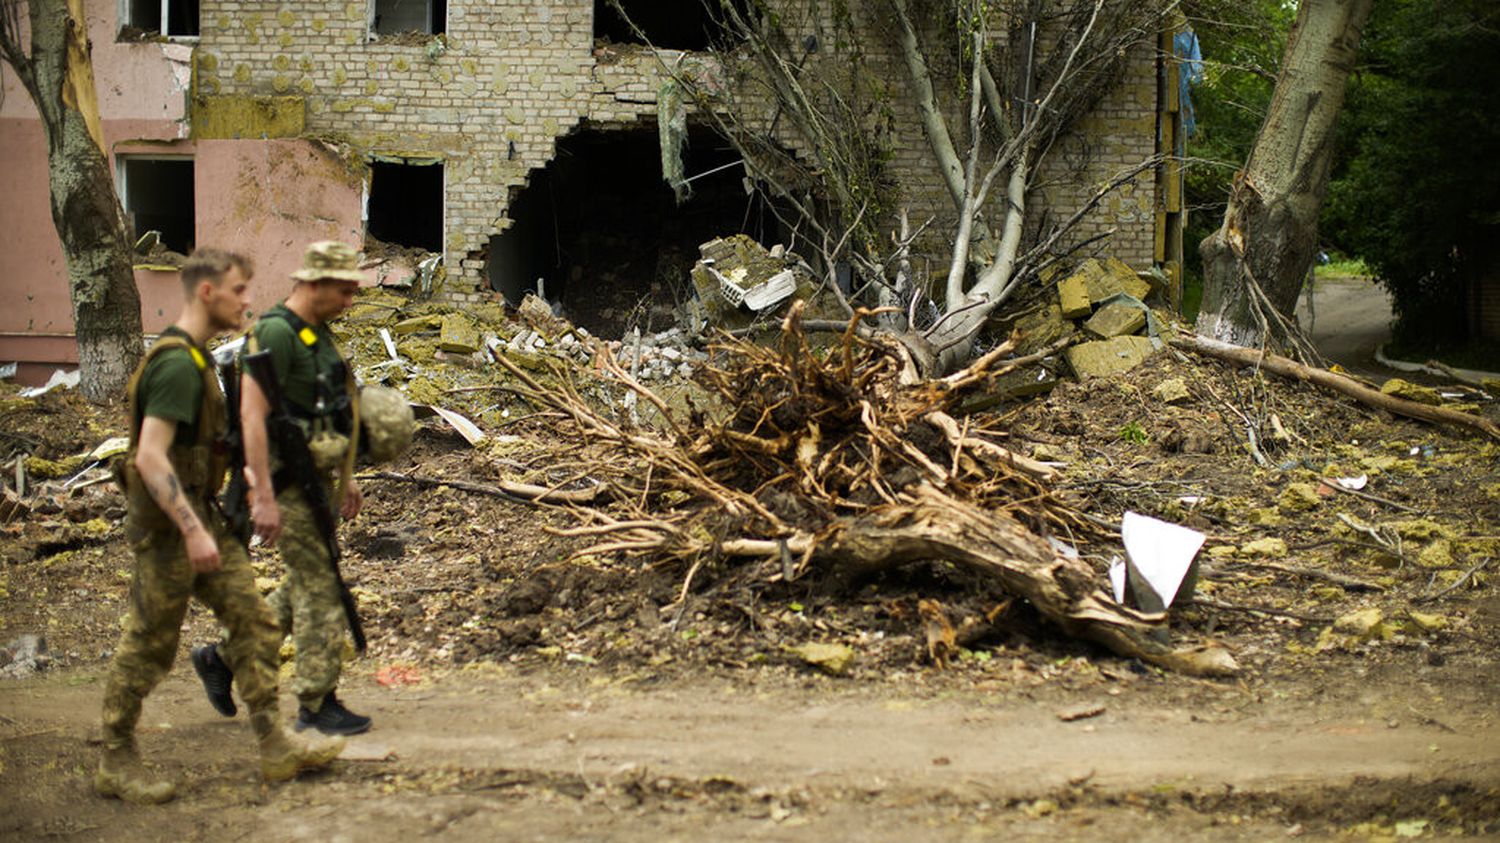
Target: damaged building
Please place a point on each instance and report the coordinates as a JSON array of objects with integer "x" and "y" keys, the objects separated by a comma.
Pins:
[{"x": 517, "y": 139}]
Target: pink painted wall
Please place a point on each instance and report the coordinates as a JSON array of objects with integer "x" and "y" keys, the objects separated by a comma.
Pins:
[
  {"x": 134, "y": 81},
  {"x": 267, "y": 199}
]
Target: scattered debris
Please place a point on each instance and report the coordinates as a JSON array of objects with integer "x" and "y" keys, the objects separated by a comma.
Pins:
[
  {"x": 1172, "y": 391},
  {"x": 833, "y": 659},
  {"x": 1161, "y": 561},
  {"x": 398, "y": 675},
  {"x": 60, "y": 378},
  {"x": 1080, "y": 711},
  {"x": 24, "y": 656}
]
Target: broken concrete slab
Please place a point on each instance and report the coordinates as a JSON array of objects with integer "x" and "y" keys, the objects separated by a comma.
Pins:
[
  {"x": 417, "y": 324},
  {"x": 458, "y": 336},
  {"x": 1108, "y": 357},
  {"x": 1073, "y": 297},
  {"x": 1110, "y": 277},
  {"x": 1116, "y": 319},
  {"x": 395, "y": 272},
  {"x": 738, "y": 279}
]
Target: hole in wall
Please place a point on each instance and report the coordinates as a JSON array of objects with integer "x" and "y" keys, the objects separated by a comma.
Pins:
[
  {"x": 157, "y": 195},
  {"x": 605, "y": 234},
  {"x": 406, "y": 204}
]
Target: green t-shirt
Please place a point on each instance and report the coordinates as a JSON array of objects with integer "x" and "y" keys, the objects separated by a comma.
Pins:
[
  {"x": 296, "y": 362},
  {"x": 171, "y": 388}
]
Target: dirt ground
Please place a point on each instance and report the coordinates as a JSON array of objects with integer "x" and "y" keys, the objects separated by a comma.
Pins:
[{"x": 521, "y": 695}]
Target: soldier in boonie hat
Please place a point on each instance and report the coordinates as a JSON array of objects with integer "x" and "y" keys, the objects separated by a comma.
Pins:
[{"x": 318, "y": 391}]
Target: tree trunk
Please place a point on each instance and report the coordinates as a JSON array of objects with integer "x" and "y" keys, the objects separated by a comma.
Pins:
[
  {"x": 85, "y": 211},
  {"x": 1270, "y": 229},
  {"x": 1065, "y": 591}
]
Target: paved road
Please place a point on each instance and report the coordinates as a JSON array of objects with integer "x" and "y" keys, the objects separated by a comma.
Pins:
[{"x": 1350, "y": 318}]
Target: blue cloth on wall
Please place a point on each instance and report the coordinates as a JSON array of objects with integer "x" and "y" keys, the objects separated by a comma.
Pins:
[{"x": 1189, "y": 73}]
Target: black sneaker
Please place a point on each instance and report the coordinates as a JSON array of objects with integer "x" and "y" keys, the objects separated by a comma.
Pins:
[
  {"x": 216, "y": 677},
  {"x": 332, "y": 718}
]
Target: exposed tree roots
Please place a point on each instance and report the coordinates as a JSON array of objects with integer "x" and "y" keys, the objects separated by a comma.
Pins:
[{"x": 827, "y": 463}]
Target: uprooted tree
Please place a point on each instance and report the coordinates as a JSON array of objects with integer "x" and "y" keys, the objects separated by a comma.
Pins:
[
  {"x": 813, "y": 96},
  {"x": 59, "y": 77},
  {"x": 1255, "y": 264},
  {"x": 824, "y": 467}
]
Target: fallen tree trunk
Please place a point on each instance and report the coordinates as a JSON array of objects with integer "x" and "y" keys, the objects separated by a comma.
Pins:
[
  {"x": 935, "y": 526},
  {"x": 1322, "y": 377}
]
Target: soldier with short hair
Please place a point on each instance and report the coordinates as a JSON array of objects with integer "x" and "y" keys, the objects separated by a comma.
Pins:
[
  {"x": 316, "y": 388},
  {"x": 182, "y": 545}
]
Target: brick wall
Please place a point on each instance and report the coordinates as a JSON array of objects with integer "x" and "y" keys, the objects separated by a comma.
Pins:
[{"x": 514, "y": 75}]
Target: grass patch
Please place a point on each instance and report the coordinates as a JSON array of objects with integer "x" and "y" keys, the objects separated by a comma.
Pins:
[{"x": 1344, "y": 268}]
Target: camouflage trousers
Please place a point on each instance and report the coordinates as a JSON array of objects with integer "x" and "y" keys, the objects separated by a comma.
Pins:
[
  {"x": 306, "y": 602},
  {"x": 163, "y": 582}
]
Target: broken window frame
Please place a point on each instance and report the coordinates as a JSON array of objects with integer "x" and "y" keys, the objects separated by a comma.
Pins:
[
  {"x": 126, "y": 18},
  {"x": 407, "y": 161},
  {"x": 122, "y": 187},
  {"x": 370, "y": 14}
]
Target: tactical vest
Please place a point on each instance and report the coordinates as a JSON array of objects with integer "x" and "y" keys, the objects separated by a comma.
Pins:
[
  {"x": 200, "y": 466},
  {"x": 338, "y": 421}
]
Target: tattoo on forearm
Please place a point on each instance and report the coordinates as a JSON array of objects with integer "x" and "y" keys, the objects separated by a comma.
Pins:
[{"x": 168, "y": 493}]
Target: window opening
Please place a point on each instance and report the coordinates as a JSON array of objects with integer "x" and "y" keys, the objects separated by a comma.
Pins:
[
  {"x": 173, "y": 18},
  {"x": 667, "y": 24},
  {"x": 406, "y": 204},
  {"x": 157, "y": 195},
  {"x": 397, "y": 17}
]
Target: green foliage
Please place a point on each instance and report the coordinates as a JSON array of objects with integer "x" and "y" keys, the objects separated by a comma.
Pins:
[
  {"x": 1343, "y": 268},
  {"x": 1242, "y": 43},
  {"x": 1418, "y": 195},
  {"x": 1133, "y": 433}
]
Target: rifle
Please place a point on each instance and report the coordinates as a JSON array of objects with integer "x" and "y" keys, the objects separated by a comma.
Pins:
[
  {"x": 297, "y": 461},
  {"x": 235, "y": 507}
]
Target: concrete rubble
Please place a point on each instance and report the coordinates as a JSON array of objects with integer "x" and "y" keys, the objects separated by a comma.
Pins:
[
  {"x": 23, "y": 656},
  {"x": 1108, "y": 301}
]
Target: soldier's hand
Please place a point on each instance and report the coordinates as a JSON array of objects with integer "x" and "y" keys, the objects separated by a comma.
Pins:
[
  {"x": 353, "y": 500},
  {"x": 265, "y": 516},
  {"x": 202, "y": 551}
]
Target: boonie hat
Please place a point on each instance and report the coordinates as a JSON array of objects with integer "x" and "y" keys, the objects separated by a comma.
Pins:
[{"x": 329, "y": 260}]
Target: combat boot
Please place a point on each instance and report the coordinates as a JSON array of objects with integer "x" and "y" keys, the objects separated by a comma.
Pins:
[
  {"x": 283, "y": 756},
  {"x": 216, "y": 677},
  {"x": 332, "y": 718},
  {"x": 123, "y": 776}
]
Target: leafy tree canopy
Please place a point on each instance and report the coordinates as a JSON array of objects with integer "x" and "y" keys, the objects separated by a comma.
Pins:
[{"x": 1418, "y": 195}]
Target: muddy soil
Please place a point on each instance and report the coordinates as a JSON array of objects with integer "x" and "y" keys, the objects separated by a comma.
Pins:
[{"x": 519, "y": 693}]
